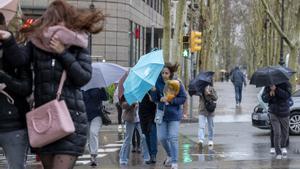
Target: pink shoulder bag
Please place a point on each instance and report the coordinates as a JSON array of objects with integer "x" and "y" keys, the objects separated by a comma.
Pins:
[{"x": 50, "y": 122}]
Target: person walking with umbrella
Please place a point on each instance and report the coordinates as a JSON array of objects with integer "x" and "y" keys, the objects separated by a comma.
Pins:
[
  {"x": 207, "y": 94},
  {"x": 238, "y": 79},
  {"x": 93, "y": 99},
  {"x": 131, "y": 118},
  {"x": 168, "y": 125},
  {"x": 277, "y": 94}
]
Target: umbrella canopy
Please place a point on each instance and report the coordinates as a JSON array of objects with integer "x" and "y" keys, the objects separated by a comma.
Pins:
[
  {"x": 104, "y": 74},
  {"x": 271, "y": 75},
  {"x": 198, "y": 84},
  {"x": 289, "y": 71},
  {"x": 9, "y": 9},
  {"x": 142, "y": 77}
]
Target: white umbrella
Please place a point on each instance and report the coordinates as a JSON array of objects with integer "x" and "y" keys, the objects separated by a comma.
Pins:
[
  {"x": 9, "y": 9},
  {"x": 105, "y": 74}
]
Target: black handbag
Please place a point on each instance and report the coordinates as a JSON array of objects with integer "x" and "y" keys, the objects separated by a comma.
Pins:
[{"x": 105, "y": 117}]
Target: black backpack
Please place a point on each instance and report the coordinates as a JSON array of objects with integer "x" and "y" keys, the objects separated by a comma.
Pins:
[{"x": 210, "y": 105}]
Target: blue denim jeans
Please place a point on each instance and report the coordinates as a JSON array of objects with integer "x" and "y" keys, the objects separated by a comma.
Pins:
[
  {"x": 125, "y": 149},
  {"x": 15, "y": 146},
  {"x": 202, "y": 124},
  {"x": 151, "y": 139},
  {"x": 238, "y": 93},
  {"x": 167, "y": 133}
]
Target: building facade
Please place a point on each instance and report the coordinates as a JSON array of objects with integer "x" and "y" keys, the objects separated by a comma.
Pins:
[{"x": 132, "y": 27}]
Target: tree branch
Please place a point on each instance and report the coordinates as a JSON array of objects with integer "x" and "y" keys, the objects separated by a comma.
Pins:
[{"x": 277, "y": 26}]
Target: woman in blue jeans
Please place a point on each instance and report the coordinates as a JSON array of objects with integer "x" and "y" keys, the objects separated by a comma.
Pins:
[
  {"x": 168, "y": 115},
  {"x": 132, "y": 121},
  {"x": 15, "y": 86}
]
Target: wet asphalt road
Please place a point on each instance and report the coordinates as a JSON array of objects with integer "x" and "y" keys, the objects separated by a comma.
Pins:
[{"x": 238, "y": 145}]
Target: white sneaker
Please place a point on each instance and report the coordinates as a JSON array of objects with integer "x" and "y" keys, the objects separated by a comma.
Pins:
[
  {"x": 284, "y": 151},
  {"x": 210, "y": 143},
  {"x": 167, "y": 162},
  {"x": 200, "y": 143},
  {"x": 174, "y": 166},
  {"x": 272, "y": 151},
  {"x": 278, "y": 157},
  {"x": 120, "y": 128}
]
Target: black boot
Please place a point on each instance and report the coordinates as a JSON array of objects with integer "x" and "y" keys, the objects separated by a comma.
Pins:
[
  {"x": 153, "y": 159},
  {"x": 94, "y": 160}
]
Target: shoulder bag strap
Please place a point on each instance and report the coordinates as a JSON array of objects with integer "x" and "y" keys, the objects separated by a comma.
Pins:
[
  {"x": 61, "y": 84},
  {"x": 9, "y": 98}
]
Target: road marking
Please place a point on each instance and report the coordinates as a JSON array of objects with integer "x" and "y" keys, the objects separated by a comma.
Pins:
[
  {"x": 113, "y": 145},
  {"x": 89, "y": 156},
  {"x": 108, "y": 150},
  {"x": 85, "y": 162}
]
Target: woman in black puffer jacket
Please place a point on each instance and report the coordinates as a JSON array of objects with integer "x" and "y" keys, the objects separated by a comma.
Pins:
[
  {"x": 65, "y": 50},
  {"x": 15, "y": 86}
]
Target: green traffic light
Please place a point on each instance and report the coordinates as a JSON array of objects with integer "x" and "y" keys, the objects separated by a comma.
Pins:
[{"x": 185, "y": 53}]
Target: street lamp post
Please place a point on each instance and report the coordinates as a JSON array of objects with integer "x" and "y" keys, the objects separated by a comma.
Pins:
[{"x": 281, "y": 61}]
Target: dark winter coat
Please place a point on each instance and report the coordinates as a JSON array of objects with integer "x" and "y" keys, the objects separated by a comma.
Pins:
[
  {"x": 147, "y": 109},
  {"x": 18, "y": 83},
  {"x": 173, "y": 111},
  {"x": 48, "y": 68},
  {"x": 278, "y": 104},
  {"x": 237, "y": 77},
  {"x": 93, "y": 102}
]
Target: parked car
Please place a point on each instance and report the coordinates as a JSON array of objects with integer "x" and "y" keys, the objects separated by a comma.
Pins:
[{"x": 260, "y": 115}]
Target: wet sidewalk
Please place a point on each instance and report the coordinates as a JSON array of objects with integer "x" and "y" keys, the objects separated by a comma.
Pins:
[{"x": 226, "y": 108}]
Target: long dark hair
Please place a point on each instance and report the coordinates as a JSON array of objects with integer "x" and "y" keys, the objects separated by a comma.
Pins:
[
  {"x": 172, "y": 67},
  {"x": 2, "y": 22},
  {"x": 75, "y": 19}
]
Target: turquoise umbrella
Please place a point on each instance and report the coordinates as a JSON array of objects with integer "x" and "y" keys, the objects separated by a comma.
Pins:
[{"x": 142, "y": 77}]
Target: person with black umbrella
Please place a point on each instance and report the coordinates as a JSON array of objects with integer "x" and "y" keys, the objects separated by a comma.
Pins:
[
  {"x": 277, "y": 94},
  {"x": 202, "y": 86}
]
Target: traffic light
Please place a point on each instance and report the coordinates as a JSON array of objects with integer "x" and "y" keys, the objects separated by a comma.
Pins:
[
  {"x": 196, "y": 41},
  {"x": 185, "y": 48}
]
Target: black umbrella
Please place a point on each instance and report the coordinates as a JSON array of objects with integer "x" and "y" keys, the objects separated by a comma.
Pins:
[
  {"x": 289, "y": 71},
  {"x": 198, "y": 84},
  {"x": 271, "y": 75}
]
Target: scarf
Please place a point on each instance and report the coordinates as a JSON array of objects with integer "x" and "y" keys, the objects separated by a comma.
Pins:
[{"x": 65, "y": 35}]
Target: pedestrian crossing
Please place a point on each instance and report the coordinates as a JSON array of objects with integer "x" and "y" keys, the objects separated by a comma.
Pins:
[{"x": 104, "y": 151}]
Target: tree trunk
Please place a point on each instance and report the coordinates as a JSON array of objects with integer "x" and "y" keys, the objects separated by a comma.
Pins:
[
  {"x": 177, "y": 39},
  {"x": 166, "y": 30}
]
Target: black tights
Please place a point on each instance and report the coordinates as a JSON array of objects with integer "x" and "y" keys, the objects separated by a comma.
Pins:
[{"x": 58, "y": 161}]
